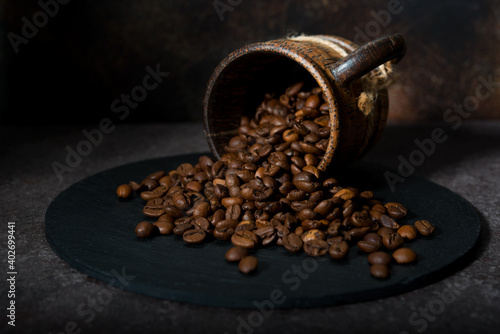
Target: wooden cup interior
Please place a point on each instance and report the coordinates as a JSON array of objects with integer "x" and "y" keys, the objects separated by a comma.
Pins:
[{"x": 238, "y": 87}]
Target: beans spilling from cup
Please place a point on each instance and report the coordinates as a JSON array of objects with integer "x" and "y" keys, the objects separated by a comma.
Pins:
[{"x": 266, "y": 190}]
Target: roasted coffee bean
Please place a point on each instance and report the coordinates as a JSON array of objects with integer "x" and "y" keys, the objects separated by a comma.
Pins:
[
  {"x": 408, "y": 232},
  {"x": 247, "y": 225},
  {"x": 202, "y": 223},
  {"x": 266, "y": 234},
  {"x": 373, "y": 237},
  {"x": 387, "y": 221},
  {"x": 248, "y": 264},
  {"x": 379, "y": 270},
  {"x": 292, "y": 242},
  {"x": 233, "y": 212},
  {"x": 338, "y": 250},
  {"x": 380, "y": 208},
  {"x": 235, "y": 254},
  {"x": 368, "y": 246},
  {"x": 124, "y": 191},
  {"x": 392, "y": 241},
  {"x": 312, "y": 235},
  {"x": 144, "y": 229},
  {"x": 150, "y": 184},
  {"x": 230, "y": 201},
  {"x": 164, "y": 227},
  {"x": 396, "y": 210},
  {"x": 195, "y": 236},
  {"x": 245, "y": 239},
  {"x": 180, "y": 229},
  {"x": 404, "y": 255},
  {"x": 424, "y": 227},
  {"x": 333, "y": 228},
  {"x": 361, "y": 219},
  {"x": 153, "y": 211},
  {"x": 223, "y": 233},
  {"x": 324, "y": 207},
  {"x": 181, "y": 201},
  {"x": 359, "y": 232},
  {"x": 311, "y": 224},
  {"x": 379, "y": 257},
  {"x": 166, "y": 218},
  {"x": 316, "y": 247},
  {"x": 385, "y": 230},
  {"x": 345, "y": 194}
]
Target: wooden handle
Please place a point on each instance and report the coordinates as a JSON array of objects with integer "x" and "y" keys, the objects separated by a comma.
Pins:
[{"x": 367, "y": 57}]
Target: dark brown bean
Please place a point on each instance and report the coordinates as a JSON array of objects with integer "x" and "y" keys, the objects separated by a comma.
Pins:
[
  {"x": 404, "y": 255},
  {"x": 194, "y": 236},
  {"x": 396, "y": 210},
  {"x": 392, "y": 241},
  {"x": 164, "y": 227},
  {"x": 338, "y": 250},
  {"x": 245, "y": 239},
  {"x": 248, "y": 264},
  {"x": 144, "y": 229},
  {"x": 124, "y": 191},
  {"x": 316, "y": 247},
  {"x": 379, "y": 257},
  {"x": 292, "y": 242},
  {"x": 379, "y": 270},
  {"x": 235, "y": 254},
  {"x": 424, "y": 227}
]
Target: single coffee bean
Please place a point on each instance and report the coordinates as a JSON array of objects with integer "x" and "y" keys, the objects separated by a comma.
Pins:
[
  {"x": 385, "y": 230},
  {"x": 379, "y": 257},
  {"x": 194, "y": 236},
  {"x": 144, "y": 229},
  {"x": 424, "y": 227},
  {"x": 153, "y": 211},
  {"x": 235, "y": 254},
  {"x": 408, "y": 232},
  {"x": 404, "y": 255},
  {"x": 292, "y": 242},
  {"x": 338, "y": 250},
  {"x": 368, "y": 246},
  {"x": 379, "y": 270},
  {"x": 164, "y": 227},
  {"x": 387, "y": 221},
  {"x": 248, "y": 264},
  {"x": 124, "y": 191},
  {"x": 392, "y": 241},
  {"x": 150, "y": 184},
  {"x": 223, "y": 233},
  {"x": 245, "y": 239},
  {"x": 396, "y": 210},
  {"x": 316, "y": 247}
]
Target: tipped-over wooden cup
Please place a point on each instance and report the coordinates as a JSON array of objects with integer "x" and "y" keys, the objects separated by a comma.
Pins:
[{"x": 353, "y": 80}]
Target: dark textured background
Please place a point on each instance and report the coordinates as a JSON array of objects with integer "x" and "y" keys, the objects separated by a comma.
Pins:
[{"x": 91, "y": 52}]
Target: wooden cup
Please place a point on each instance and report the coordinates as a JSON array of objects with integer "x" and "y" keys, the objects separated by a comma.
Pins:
[{"x": 337, "y": 65}]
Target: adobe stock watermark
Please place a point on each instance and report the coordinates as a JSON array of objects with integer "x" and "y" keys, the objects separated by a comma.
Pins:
[
  {"x": 94, "y": 304},
  {"x": 292, "y": 279},
  {"x": 121, "y": 108},
  {"x": 454, "y": 116},
  {"x": 30, "y": 28},
  {"x": 222, "y": 6},
  {"x": 381, "y": 19},
  {"x": 444, "y": 297}
]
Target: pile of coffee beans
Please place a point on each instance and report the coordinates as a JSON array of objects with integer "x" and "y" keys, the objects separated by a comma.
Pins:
[{"x": 266, "y": 190}]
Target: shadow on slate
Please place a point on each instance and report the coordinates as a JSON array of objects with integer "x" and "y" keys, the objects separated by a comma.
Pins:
[{"x": 91, "y": 229}]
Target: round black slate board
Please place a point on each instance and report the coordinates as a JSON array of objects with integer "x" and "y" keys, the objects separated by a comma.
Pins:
[{"x": 90, "y": 228}]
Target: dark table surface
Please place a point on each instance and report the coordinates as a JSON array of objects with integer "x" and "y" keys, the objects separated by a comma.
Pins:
[{"x": 52, "y": 297}]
